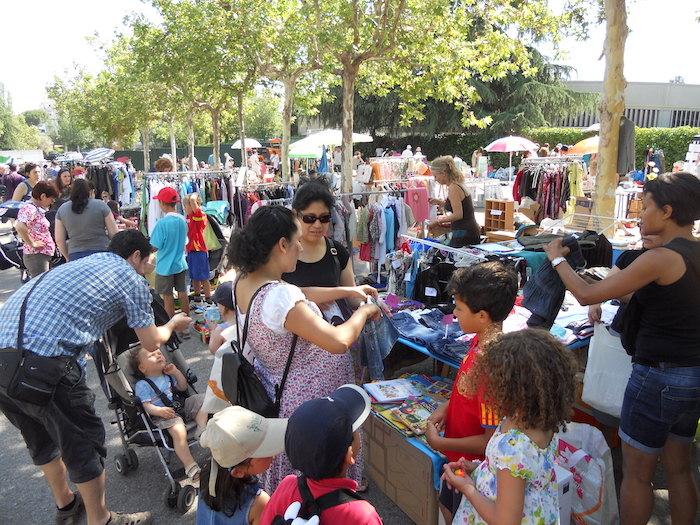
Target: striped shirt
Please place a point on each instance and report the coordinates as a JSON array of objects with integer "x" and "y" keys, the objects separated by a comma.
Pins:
[{"x": 75, "y": 304}]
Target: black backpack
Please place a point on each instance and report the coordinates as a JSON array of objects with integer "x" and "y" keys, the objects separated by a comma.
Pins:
[{"x": 311, "y": 506}]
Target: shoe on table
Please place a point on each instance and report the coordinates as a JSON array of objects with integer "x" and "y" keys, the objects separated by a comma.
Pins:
[
  {"x": 134, "y": 518},
  {"x": 71, "y": 516}
]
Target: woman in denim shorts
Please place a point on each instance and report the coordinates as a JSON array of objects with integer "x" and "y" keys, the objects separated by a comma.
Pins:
[{"x": 661, "y": 406}]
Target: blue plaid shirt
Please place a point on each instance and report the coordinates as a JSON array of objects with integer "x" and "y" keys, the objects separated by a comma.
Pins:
[{"x": 75, "y": 304}]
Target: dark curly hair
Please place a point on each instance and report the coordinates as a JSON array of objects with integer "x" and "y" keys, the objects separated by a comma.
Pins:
[
  {"x": 250, "y": 247},
  {"x": 44, "y": 187},
  {"x": 489, "y": 286},
  {"x": 310, "y": 192},
  {"x": 134, "y": 362},
  {"x": 528, "y": 376},
  {"x": 680, "y": 191}
]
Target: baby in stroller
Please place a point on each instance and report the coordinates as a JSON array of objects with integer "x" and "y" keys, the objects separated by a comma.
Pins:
[{"x": 160, "y": 391}]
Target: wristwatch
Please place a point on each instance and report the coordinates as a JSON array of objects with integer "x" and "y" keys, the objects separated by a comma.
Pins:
[{"x": 557, "y": 261}]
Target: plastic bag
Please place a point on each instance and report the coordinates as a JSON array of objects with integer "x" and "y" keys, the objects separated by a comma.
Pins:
[
  {"x": 607, "y": 372},
  {"x": 584, "y": 452}
]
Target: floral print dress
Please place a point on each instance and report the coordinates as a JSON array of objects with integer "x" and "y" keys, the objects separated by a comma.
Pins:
[
  {"x": 314, "y": 372},
  {"x": 515, "y": 452}
]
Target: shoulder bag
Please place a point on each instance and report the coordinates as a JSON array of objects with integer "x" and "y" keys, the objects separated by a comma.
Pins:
[{"x": 239, "y": 381}]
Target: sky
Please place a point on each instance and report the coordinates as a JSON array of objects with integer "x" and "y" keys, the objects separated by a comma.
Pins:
[{"x": 44, "y": 38}]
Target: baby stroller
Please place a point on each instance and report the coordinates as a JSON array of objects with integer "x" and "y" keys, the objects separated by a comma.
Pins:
[
  {"x": 136, "y": 428},
  {"x": 11, "y": 251}
]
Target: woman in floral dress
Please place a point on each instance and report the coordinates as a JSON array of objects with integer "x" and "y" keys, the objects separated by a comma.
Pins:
[{"x": 262, "y": 251}]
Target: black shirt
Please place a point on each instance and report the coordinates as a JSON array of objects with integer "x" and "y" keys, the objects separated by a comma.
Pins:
[
  {"x": 669, "y": 328},
  {"x": 325, "y": 272}
]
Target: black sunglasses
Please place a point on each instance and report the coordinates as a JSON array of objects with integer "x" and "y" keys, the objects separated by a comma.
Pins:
[{"x": 310, "y": 219}]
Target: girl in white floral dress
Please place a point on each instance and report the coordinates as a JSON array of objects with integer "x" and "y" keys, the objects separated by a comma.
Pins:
[
  {"x": 529, "y": 376},
  {"x": 265, "y": 248}
]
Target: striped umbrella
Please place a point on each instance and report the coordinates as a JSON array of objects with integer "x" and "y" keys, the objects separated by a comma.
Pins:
[{"x": 98, "y": 154}]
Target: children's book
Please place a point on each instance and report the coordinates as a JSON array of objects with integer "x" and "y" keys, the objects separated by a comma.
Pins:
[{"x": 393, "y": 390}]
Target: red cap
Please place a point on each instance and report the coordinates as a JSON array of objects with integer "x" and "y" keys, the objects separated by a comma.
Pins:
[{"x": 167, "y": 195}]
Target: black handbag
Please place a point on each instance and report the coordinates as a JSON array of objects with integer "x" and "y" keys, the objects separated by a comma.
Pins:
[
  {"x": 240, "y": 383},
  {"x": 29, "y": 377}
]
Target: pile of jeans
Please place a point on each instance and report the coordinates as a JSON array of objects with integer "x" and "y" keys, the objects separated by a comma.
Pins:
[{"x": 426, "y": 329}]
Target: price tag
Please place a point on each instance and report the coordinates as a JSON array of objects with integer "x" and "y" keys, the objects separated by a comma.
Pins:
[
  {"x": 407, "y": 277},
  {"x": 396, "y": 264},
  {"x": 497, "y": 212},
  {"x": 430, "y": 292},
  {"x": 448, "y": 319}
]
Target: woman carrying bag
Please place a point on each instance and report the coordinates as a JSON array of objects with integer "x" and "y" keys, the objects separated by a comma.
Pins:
[{"x": 268, "y": 246}]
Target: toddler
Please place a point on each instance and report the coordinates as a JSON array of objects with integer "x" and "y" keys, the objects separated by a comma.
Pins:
[
  {"x": 223, "y": 298},
  {"x": 528, "y": 377},
  {"x": 484, "y": 295},
  {"x": 242, "y": 445},
  {"x": 159, "y": 379}
]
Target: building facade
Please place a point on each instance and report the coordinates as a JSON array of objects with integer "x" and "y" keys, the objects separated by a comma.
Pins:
[{"x": 648, "y": 104}]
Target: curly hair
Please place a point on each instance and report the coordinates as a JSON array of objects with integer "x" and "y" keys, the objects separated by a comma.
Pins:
[
  {"x": 135, "y": 361},
  {"x": 446, "y": 164},
  {"x": 489, "y": 286},
  {"x": 163, "y": 165},
  {"x": 528, "y": 376}
]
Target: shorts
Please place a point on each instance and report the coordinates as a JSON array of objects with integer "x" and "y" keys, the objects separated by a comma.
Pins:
[
  {"x": 450, "y": 499},
  {"x": 36, "y": 263},
  {"x": 193, "y": 404},
  {"x": 166, "y": 283},
  {"x": 198, "y": 266},
  {"x": 660, "y": 404},
  {"x": 68, "y": 427}
]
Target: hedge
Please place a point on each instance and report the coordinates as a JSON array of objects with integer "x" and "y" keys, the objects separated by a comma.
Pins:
[{"x": 674, "y": 142}]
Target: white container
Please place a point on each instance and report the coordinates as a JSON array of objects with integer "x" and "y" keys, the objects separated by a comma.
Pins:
[{"x": 565, "y": 488}]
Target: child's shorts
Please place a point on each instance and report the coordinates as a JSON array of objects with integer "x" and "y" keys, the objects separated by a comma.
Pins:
[
  {"x": 450, "y": 499},
  {"x": 193, "y": 404},
  {"x": 166, "y": 283},
  {"x": 198, "y": 264}
]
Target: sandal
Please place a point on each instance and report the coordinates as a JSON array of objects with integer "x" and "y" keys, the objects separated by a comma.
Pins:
[
  {"x": 193, "y": 472},
  {"x": 135, "y": 518}
]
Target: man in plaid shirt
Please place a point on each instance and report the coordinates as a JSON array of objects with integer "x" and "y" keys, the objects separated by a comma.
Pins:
[{"x": 70, "y": 309}]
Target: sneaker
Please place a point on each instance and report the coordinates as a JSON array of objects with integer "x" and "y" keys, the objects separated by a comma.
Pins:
[
  {"x": 134, "y": 518},
  {"x": 72, "y": 516}
]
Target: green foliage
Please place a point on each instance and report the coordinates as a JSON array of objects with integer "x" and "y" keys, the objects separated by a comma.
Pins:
[
  {"x": 674, "y": 142},
  {"x": 36, "y": 117},
  {"x": 263, "y": 117}
]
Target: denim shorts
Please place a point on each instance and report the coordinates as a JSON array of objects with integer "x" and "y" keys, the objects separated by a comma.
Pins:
[{"x": 660, "y": 404}]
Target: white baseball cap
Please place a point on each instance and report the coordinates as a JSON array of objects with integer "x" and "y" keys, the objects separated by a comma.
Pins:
[{"x": 236, "y": 434}]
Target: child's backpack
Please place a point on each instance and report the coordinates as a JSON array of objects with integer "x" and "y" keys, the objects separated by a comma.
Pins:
[{"x": 309, "y": 510}]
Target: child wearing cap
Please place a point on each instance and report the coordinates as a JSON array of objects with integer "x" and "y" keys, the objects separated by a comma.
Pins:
[
  {"x": 169, "y": 237},
  {"x": 223, "y": 298},
  {"x": 242, "y": 445},
  {"x": 321, "y": 442},
  {"x": 197, "y": 253}
]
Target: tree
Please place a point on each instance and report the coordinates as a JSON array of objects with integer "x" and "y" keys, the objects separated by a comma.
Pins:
[
  {"x": 69, "y": 127},
  {"x": 36, "y": 117},
  {"x": 262, "y": 115},
  {"x": 7, "y": 129}
]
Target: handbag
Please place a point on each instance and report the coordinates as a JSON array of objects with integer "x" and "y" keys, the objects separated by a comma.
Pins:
[
  {"x": 239, "y": 381},
  {"x": 29, "y": 377}
]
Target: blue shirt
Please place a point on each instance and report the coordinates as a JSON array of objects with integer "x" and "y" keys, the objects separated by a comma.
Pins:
[
  {"x": 146, "y": 394},
  {"x": 170, "y": 237},
  {"x": 75, "y": 304}
]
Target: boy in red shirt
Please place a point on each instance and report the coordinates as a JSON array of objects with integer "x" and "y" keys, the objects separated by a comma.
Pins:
[
  {"x": 484, "y": 296},
  {"x": 197, "y": 253},
  {"x": 321, "y": 442}
]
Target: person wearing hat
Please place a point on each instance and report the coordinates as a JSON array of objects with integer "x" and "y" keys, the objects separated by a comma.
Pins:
[
  {"x": 169, "y": 237},
  {"x": 321, "y": 442},
  {"x": 223, "y": 299},
  {"x": 242, "y": 445}
]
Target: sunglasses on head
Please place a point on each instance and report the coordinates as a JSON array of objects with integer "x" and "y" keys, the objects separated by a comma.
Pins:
[{"x": 310, "y": 219}]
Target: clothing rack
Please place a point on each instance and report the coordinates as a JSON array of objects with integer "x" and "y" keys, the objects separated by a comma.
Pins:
[
  {"x": 179, "y": 174},
  {"x": 439, "y": 246},
  {"x": 553, "y": 160},
  {"x": 378, "y": 192}
]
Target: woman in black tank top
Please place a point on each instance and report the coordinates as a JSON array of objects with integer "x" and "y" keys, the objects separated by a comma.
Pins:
[
  {"x": 661, "y": 406},
  {"x": 464, "y": 228}
]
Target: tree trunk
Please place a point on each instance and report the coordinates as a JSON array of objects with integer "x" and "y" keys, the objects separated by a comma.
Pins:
[
  {"x": 146, "y": 141},
  {"x": 173, "y": 143},
  {"x": 286, "y": 128},
  {"x": 190, "y": 138},
  {"x": 611, "y": 108},
  {"x": 241, "y": 128},
  {"x": 350, "y": 71},
  {"x": 216, "y": 124}
]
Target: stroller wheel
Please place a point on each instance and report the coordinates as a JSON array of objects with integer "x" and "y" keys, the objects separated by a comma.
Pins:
[
  {"x": 171, "y": 496},
  {"x": 186, "y": 498},
  {"x": 121, "y": 463},
  {"x": 133, "y": 459}
]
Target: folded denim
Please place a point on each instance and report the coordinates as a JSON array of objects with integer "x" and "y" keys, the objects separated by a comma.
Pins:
[
  {"x": 411, "y": 329},
  {"x": 433, "y": 320}
]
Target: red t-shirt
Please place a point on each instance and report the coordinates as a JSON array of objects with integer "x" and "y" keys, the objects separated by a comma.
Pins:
[
  {"x": 467, "y": 416},
  {"x": 196, "y": 224},
  {"x": 352, "y": 513}
]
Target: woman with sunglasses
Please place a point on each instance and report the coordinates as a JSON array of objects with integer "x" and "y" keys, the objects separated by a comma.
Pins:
[{"x": 324, "y": 269}]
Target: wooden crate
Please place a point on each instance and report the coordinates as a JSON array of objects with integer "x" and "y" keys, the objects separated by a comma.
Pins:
[{"x": 498, "y": 215}]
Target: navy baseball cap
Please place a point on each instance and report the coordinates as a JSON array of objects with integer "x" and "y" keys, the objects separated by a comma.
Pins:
[
  {"x": 224, "y": 295},
  {"x": 320, "y": 431}
]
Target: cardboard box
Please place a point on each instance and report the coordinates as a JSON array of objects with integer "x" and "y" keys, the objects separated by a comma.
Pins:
[
  {"x": 401, "y": 471},
  {"x": 566, "y": 490}
]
